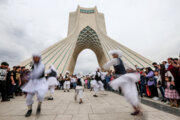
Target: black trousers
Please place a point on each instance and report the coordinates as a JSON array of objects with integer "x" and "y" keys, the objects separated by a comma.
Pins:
[
  {"x": 154, "y": 92},
  {"x": 3, "y": 89}
]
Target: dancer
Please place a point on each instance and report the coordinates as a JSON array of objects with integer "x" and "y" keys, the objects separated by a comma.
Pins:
[
  {"x": 67, "y": 82},
  {"x": 80, "y": 87},
  {"x": 52, "y": 80},
  {"x": 126, "y": 81},
  {"x": 36, "y": 85},
  {"x": 97, "y": 83}
]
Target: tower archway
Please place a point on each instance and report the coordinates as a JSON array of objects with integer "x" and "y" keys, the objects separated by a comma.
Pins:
[{"x": 88, "y": 39}]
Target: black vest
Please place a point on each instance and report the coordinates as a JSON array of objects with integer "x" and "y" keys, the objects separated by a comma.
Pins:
[
  {"x": 98, "y": 78},
  {"x": 79, "y": 82},
  {"x": 120, "y": 69},
  {"x": 52, "y": 74}
]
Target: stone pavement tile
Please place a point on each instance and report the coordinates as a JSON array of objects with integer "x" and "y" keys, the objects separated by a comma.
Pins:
[
  {"x": 46, "y": 117},
  {"x": 63, "y": 117},
  {"x": 73, "y": 108},
  {"x": 85, "y": 109},
  {"x": 100, "y": 117},
  {"x": 17, "y": 118},
  {"x": 114, "y": 109},
  {"x": 80, "y": 117},
  {"x": 98, "y": 109},
  {"x": 125, "y": 116}
]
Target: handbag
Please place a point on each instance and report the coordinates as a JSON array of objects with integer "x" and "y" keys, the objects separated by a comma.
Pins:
[{"x": 148, "y": 92}]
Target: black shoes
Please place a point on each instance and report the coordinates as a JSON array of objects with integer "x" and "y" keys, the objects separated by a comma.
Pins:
[
  {"x": 95, "y": 96},
  {"x": 80, "y": 102},
  {"x": 28, "y": 113},
  {"x": 50, "y": 98},
  {"x": 68, "y": 90},
  {"x": 38, "y": 111},
  {"x": 135, "y": 113}
]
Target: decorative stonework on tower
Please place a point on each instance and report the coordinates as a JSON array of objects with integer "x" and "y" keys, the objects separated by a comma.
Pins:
[{"x": 86, "y": 30}]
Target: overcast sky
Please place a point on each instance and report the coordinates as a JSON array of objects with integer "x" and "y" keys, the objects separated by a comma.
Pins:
[{"x": 149, "y": 27}]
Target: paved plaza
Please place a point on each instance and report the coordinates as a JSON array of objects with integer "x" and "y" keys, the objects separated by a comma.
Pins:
[{"x": 108, "y": 106}]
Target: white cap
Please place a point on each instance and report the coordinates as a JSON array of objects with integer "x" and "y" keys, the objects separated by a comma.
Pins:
[
  {"x": 118, "y": 52},
  {"x": 79, "y": 75},
  {"x": 36, "y": 55}
]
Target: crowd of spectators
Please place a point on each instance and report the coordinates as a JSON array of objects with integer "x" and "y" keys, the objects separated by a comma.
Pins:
[{"x": 12, "y": 80}]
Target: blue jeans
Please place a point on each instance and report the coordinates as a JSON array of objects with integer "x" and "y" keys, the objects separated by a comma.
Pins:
[
  {"x": 89, "y": 84},
  {"x": 74, "y": 85},
  {"x": 142, "y": 89},
  {"x": 162, "y": 91}
]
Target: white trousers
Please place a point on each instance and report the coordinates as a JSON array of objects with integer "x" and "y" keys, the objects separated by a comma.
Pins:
[
  {"x": 29, "y": 98},
  {"x": 51, "y": 89},
  {"x": 79, "y": 92},
  {"x": 98, "y": 86},
  {"x": 66, "y": 85}
]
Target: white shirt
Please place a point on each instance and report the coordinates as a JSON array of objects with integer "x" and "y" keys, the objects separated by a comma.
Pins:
[
  {"x": 37, "y": 71},
  {"x": 114, "y": 62},
  {"x": 103, "y": 75}
]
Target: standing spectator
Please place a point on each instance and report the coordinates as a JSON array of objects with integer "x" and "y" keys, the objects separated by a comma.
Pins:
[
  {"x": 152, "y": 83},
  {"x": 3, "y": 73},
  {"x": 18, "y": 82},
  {"x": 157, "y": 76},
  {"x": 89, "y": 82},
  {"x": 12, "y": 85},
  {"x": 142, "y": 83},
  {"x": 108, "y": 79},
  {"x": 73, "y": 81},
  {"x": 24, "y": 75},
  {"x": 176, "y": 65},
  {"x": 61, "y": 81},
  {"x": 86, "y": 82},
  {"x": 9, "y": 84},
  {"x": 156, "y": 66},
  {"x": 172, "y": 68},
  {"x": 161, "y": 81}
]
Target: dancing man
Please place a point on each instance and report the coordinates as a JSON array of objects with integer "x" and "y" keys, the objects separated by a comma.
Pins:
[
  {"x": 36, "y": 85},
  {"x": 52, "y": 80},
  {"x": 67, "y": 81},
  {"x": 97, "y": 83},
  {"x": 125, "y": 81},
  {"x": 80, "y": 87}
]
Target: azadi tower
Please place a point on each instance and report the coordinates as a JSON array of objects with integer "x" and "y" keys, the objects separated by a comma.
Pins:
[{"x": 86, "y": 30}]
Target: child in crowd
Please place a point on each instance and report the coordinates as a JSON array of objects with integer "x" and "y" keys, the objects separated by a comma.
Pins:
[{"x": 170, "y": 92}]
